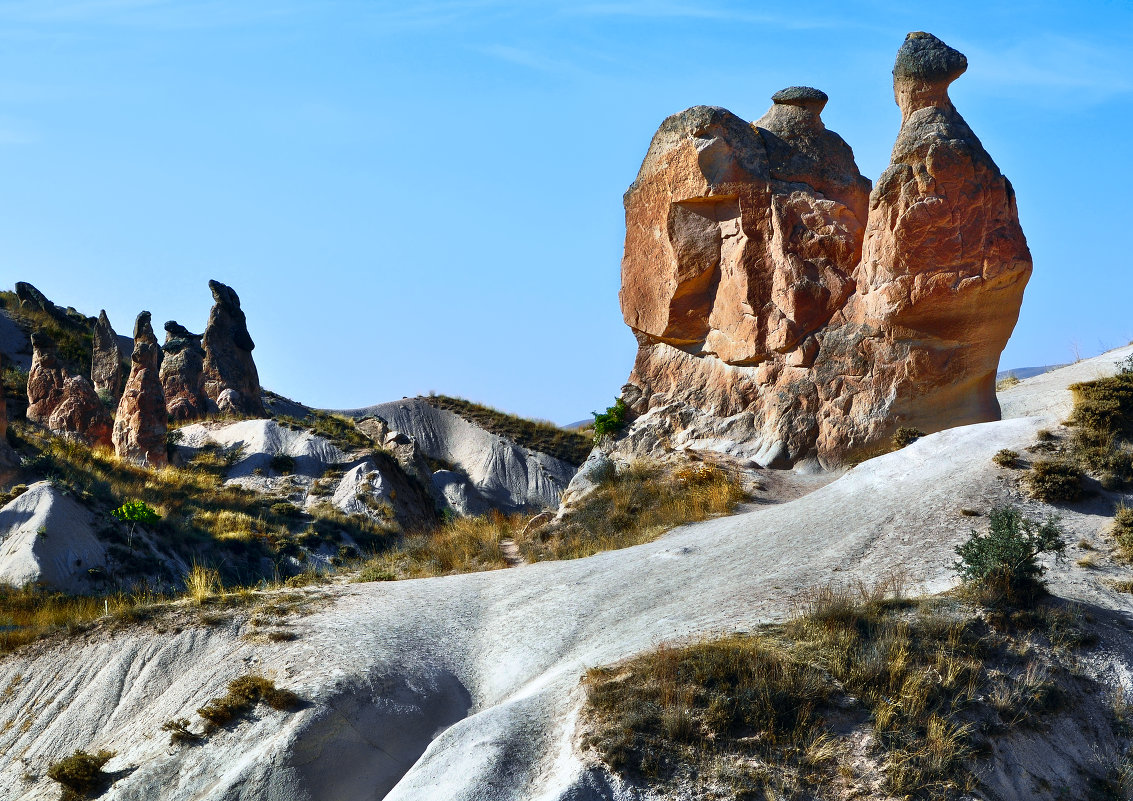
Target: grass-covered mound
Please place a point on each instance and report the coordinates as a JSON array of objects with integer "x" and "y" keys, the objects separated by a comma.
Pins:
[
  {"x": 858, "y": 689},
  {"x": 569, "y": 446}
]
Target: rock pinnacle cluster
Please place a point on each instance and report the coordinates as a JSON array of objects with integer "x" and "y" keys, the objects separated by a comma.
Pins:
[{"x": 786, "y": 310}]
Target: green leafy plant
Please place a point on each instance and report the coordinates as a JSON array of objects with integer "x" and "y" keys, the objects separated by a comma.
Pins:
[
  {"x": 134, "y": 512},
  {"x": 1003, "y": 564},
  {"x": 611, "y": 421}
]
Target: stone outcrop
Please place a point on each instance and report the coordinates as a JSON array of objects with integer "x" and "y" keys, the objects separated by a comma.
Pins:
[
  {"x": 784, "y": 311},
  {"x": 66, "y": 405},
  {"x": 182, "y": 372},
  {"x": 34, "y": 300},
  {"x": 141, "y": 424},
  {"x": 106, "y": 371},
  {"x": 231, "y": 382}
]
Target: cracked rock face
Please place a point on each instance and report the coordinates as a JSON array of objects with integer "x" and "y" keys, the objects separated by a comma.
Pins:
[
  {"x": 784, "y": 311},
  {"x": 141, "y": 424},
  {"x": 182, "y": 373},
  {"x": 231, "y": 381},
  {"x": 106, "y": 371},
  {"x": 66, "y": 405}
]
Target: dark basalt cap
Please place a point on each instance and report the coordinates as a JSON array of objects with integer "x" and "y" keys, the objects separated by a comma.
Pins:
[
  {"x": 803, "y": 96},
  {"x": 923, "y": 57}
]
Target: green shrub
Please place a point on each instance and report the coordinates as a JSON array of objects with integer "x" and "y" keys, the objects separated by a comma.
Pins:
[
  {"x": 283, "y": 463},
  {"x": 134, "y": 512},
  {"x": 906, "y": 436},
  {"x": 81, "y": 773},
  {"x": 1006, "y": 458},
  {"x": 243, "y": 695},
  {"x": 1054, "y": 481},
  {"x": 1004, "y": 562},
  {"x": 610, "y": 422}
]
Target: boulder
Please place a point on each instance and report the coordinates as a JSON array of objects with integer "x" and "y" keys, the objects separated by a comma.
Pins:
[
  {"x": 182, "y": 373},
  {"x": 141, "y": 425},
  {"x": 231, "y": 382},
  {"x": 786, "y": 313},
  {"x": 34, "y": 300},
  {"x": 106, "y": 371},
  {"x": 597, "y": 469},
  {"x": 47, "y": 538},
  {"x": 66, "y": 405}
]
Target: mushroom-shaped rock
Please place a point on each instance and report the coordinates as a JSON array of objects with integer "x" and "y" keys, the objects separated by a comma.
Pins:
[
  {"x": 141, "y": 425},
  {"x": 231, "y": 381},
  {"x": 66, "y": 405},
  {"x": 182, "y": 373},
  {"x": 785, "y": 312},
  {"x": 106, "y": 371}
]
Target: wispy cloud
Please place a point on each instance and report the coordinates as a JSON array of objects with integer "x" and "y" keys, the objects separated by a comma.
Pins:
[
  {"x": 1058, "y": 66},
  {"x": 531, "y": 59}
]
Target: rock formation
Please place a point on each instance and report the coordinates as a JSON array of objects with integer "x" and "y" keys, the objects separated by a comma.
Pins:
[
  {"x": 31, "y": 298},
  {"x": 141, "y": 425},
  {"x": 65, "y": 404},
  {"x": 182, "y": 373},
  {"x": 231, "y": 382},
  {"x": 785, "y": 312},
  {"x": 106, "y": 371}
]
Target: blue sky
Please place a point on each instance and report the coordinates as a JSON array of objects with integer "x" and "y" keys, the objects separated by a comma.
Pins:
[{"x": 427, "y": 196}]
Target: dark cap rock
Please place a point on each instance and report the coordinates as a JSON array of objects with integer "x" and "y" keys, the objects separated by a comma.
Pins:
[
  {"x": 923, "y": 57},
  {"x": 803, "y": 96}
]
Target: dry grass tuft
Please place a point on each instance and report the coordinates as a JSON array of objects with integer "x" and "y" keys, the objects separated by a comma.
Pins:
[
  {"x": 638, "y": 505},
  {"x": 1122, "y": 531},
  {"x": 29, "y": 614},
  {"x": 463, "y": 545},
  {"x": 243, "y": 695},
  {"x": 201, "y": 583}
]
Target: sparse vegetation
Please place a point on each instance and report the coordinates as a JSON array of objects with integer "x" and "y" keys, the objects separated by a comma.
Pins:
[
  {"x": 768, "y": 714},
  {"x": 610, "y": 422},
  {"x": 180, "y": 733},
  {"x": 201, "y": 583},
  {"x": 906, "y": 436},
  {"x": 1006, "y": 458},
  {"x": 73, "y": 334},
  {"x": 243, "y": 695},
  {"x": 1122, "y": 531},
  {"x": 1003, "y": 564},
  {"x": 1008, "y": 381},
  {"x": 637, "y": 505},
  {"x": 569, "y": 446},
  {"x": 282, "y": 463},
  {"x": 462, "y": 545},
  {"x": 81, "y": 774},
  {"x": 336, "y": 429},
  {"x": 1054, "y": 481},
  {"x": 29, "y": 613}
]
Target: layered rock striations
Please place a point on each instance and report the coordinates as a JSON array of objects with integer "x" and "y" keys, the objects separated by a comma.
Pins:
[
  {"x": 786, "y": 312},
  {"x": 182, "y": 373},
  {"x": 231, "y": 381},
  {"x": 141, "y": 424},
  {"x": 106, "y": 371},
  {"x": 66, "y": 405}
]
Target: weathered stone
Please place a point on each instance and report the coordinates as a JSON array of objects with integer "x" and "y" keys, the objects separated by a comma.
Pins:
[
  {"x": 66, "y": 405},
  {"x": 31, "y": 298},
  {"x": 141, "y": 424},
  {"x": 106, "y": 371},
  {"x": 783, "y": 311},
  {"x": 231, "y": 381},
  {"x": 182, "y": 373}
]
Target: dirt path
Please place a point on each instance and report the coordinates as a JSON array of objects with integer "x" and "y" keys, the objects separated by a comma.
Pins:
[{"x": 511, "y": 552}]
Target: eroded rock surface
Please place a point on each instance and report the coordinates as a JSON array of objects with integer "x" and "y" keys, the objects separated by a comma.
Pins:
[
  {"x": 141, "y": 424},
  {"x": 783, "y": 311},
  {"x": 182, "y": 373},
  {"x": 231, "y": 382},
  {"x": 65, "y": 404},
  {"x": 106, "y": 371}
]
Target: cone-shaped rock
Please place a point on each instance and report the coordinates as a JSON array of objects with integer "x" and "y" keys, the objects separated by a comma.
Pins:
[
  {"x": 231, "y": 382},
  {"x": 106, "y": 371},
  {"x": 182, "y": 373},
  {"x": 65, "y": 404},
  {"x": 785, "y": 312},
  {"x": 141, "y": 425}
]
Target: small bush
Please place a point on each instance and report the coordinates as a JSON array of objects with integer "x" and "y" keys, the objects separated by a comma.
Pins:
[
  {"x": 610, "y": 422},
  {"x": 81, "y": 773},
  {"x": 243, "y": 695},
  {"x": 1054, "y": 481},
  {"x": 1122, "y": 530},
  {"x": 283, "y": 463},
  {"x": 1003, "y": 564},
  {"x": 906, "y": 436},
  {"x": 180, "y": 733},
  {"x": 1006, "y": 458}
]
